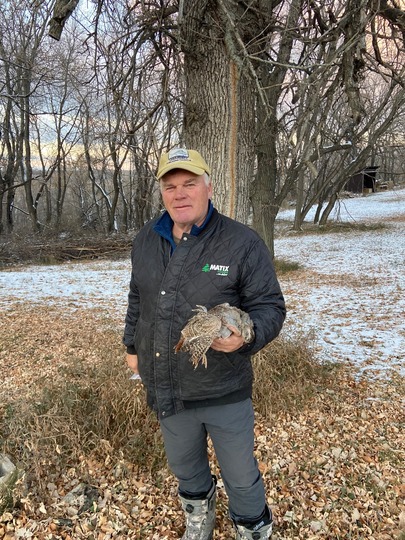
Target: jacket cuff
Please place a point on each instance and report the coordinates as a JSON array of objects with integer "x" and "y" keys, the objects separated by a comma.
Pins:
[
  {"x": 246, "y": 348},
  {"x": 131, "y": 349}
]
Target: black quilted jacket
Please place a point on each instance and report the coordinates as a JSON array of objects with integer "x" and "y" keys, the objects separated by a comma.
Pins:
[{"x": 226, "y": 262}]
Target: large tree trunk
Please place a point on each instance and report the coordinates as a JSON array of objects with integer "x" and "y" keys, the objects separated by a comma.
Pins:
[
  {"x": 266, "y": 197},
  {"x": 264, "y": 188},
  {"x": 219, "y": 106}
]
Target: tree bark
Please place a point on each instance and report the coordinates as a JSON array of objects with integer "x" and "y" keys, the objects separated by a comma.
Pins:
[{"x": 219, "y": 105}]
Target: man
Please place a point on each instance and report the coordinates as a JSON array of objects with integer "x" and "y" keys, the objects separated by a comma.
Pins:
[{"x": 189, "y": 256}]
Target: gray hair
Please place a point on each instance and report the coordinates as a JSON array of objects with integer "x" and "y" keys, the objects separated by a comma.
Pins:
[{"x": 207, "y": 179}]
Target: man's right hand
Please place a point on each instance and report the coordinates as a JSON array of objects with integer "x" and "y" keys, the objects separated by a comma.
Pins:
[{"x": 132, "y": 361}]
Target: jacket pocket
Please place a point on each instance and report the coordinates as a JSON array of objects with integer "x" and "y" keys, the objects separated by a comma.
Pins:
[{"x": 223, "y": 375}]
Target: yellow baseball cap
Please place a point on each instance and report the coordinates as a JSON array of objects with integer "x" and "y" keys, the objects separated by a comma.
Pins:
[{"x": 182, "y": 158}]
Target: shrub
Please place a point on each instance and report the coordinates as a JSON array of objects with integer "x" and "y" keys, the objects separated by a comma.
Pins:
[{"x": 90, "y": 410}]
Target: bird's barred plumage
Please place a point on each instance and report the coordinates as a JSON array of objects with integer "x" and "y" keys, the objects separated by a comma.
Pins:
[{"x": 207, "y": 325}]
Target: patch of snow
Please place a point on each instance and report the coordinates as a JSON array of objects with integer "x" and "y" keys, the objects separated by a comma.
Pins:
[
  {"x": 353, "y": 297},
  {"x": 73, "y": 284},
  {"x": 373, "y": 207}
]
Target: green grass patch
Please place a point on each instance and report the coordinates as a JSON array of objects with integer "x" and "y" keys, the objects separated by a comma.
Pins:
[{"x": 283, "y": 266}]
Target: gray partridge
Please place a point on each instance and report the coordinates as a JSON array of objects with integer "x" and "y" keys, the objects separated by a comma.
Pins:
[{"x": 207, "y": 325}]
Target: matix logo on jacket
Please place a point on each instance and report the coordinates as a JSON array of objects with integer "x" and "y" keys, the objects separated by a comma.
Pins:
[{"x": 218, "y": 268}]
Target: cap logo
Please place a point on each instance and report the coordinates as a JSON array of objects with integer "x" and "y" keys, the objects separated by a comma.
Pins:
[{"x": 178, "y": 154}]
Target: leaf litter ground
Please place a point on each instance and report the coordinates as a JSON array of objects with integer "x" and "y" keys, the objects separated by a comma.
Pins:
[{"x": 333, "y": 470}]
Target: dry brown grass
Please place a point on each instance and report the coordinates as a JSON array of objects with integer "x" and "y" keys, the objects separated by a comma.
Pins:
[
  {"x": 330, "y": 447},
  {"x": 88, "y": 410},
  {"x": 88, "y": 404},
  {"x": 287, "y": 374},
  {"x": 332, "y": 227},
  {"x": 67, "y": 393}
]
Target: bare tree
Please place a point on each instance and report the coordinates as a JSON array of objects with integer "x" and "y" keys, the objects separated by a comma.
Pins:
[
  {"x": 219, "y": 100},
  {"x": 20, "y": 42},
  {"x": 133, "y": 59},
  {"x": 284, "y": 98}
]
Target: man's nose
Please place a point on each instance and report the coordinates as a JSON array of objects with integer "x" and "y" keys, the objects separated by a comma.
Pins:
[{"x": 180, "y": 192}]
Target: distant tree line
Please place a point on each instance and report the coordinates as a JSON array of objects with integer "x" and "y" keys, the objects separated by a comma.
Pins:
[{"x": 285, "y": 99}]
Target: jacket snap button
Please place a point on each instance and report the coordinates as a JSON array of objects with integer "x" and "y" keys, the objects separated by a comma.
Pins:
[
  {"x": 158, "y": 354},
  {"x": 163, "y": 292}
]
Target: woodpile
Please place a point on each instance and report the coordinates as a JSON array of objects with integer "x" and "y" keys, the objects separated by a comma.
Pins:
[{"x": 32, "y": 251}]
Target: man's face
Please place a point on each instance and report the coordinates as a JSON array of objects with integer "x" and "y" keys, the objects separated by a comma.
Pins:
[{"x": 185, "y": 196}]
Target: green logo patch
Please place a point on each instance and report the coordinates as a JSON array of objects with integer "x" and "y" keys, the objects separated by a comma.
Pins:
[{"x": 220, "y": 269}]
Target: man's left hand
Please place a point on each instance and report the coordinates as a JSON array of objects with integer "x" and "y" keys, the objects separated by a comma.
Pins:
[{"x": 229, "y": 344}]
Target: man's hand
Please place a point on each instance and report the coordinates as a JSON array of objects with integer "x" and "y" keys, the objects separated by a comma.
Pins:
[
  {"x": 132, "y": 361},
  {"x": 229, "y": 344}
]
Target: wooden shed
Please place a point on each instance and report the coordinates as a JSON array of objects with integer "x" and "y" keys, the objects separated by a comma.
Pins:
[{"x": 363, "y": 181}]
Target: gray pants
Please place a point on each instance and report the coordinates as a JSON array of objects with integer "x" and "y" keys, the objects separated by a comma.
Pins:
[{"x": 230, "y": 428}]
